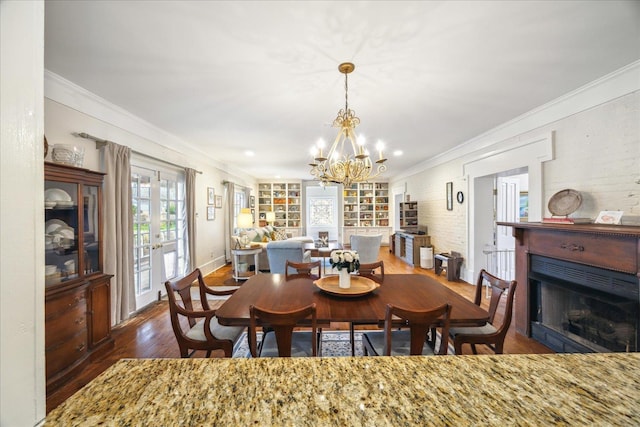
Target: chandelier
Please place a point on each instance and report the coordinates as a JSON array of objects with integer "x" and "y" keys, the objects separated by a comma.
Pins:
[{"x": 340, "y": 165}]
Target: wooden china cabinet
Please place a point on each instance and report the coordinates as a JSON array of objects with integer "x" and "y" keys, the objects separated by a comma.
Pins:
[{"x": 77, "y": 292}]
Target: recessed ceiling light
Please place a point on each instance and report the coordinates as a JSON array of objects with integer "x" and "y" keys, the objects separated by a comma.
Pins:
[
  {"x": 397, "y": 153},
  {"x": 249, "y": 153}
]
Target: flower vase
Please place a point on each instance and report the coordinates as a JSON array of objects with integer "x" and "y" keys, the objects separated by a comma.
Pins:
[{"x": 345, "y": 278}]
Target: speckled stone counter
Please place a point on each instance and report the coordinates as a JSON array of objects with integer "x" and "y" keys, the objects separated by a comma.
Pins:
[{"x": 557, "y": 389}]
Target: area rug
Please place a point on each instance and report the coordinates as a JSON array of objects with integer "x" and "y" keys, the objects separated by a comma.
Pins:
[{"x": 334, "y": 344}]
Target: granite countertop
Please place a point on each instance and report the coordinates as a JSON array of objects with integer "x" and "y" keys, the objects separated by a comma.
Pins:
[{"x": 549, "y": 389}]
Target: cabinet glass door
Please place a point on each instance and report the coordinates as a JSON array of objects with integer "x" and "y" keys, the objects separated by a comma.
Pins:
[
  {"x": 91, "y": 230},
  {"x": 61, "y": 232}
]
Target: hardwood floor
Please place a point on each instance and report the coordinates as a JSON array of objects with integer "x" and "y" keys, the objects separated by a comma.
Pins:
[{"x": 149, "y": 333}]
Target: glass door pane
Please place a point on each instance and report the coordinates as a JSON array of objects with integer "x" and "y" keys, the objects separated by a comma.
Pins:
[{"x": 160, "y": 238}]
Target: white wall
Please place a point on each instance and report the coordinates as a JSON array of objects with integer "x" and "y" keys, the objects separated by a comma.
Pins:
[
  {"x": 22, "y": 378},
  {"x": 595, "y": 150}
]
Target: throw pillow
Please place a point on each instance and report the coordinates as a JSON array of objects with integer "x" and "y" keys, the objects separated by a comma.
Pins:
[
  {"x": 266, "y": 238},
  {"x": 281, "y": 234}
]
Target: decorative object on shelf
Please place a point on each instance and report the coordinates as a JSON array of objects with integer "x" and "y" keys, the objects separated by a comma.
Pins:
[
  {"x": 340, "y": 166},
  {"x": 562, "y": 204},
  {"x": 211, "y": 195},
  {"x": 449, "y": 196},
  {"x": 244, "y": 221},
  {"x": 609, "y": 217},
  {"x": 68, "y": 155},
  {"x": 345, "y": 262},
  {"x": 211, "y": 213},
  {"x": 218, "y": 202},
  {"x": 460, "y": 197}
]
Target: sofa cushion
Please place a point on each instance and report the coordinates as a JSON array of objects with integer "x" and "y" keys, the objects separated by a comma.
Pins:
[{"x": 280, "y": 234}]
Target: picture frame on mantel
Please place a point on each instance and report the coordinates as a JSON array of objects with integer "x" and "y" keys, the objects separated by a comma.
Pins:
[{"x": 449, "y": 196}]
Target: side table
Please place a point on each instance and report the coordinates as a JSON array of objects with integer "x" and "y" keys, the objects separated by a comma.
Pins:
[{"x": 237, "y": 253}]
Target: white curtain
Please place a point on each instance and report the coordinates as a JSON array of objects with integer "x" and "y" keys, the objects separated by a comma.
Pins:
[
  {"x": 118, "y": 230},
  {"x": 229, "y": 201},
  {"x": 190, "y": 204}
]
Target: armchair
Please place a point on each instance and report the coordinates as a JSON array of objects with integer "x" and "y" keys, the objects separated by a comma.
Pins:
[{"x": 280, "y": 251}]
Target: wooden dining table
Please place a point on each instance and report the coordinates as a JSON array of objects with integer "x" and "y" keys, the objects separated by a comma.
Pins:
[{"x": 409, "y": 291}]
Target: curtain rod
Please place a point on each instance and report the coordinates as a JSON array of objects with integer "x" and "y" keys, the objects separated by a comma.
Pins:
[{"x": 102, "y": 142}]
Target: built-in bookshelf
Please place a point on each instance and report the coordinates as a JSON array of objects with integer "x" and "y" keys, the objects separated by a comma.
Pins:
[
  {"x": 366, "y": 205},
  {"x": 285, "y": 200}
]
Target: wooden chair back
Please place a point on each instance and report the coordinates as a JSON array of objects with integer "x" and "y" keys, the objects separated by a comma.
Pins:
[
  {"x": 183, "y": 308},
  {"x": 498, "y": 288},
  {"x": 493, "y": 339},
  {"x": 419, "y": 323},
  {"x": 369, "y": 270},
  {"x": 301, "y": 270},
  {"x": 282, "y": 324}
]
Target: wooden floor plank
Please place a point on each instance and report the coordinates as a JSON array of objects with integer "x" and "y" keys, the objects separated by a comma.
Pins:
[{"x": 149, "y": 335}]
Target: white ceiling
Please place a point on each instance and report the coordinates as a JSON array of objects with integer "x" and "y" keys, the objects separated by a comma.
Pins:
[{"x": 226, "y": 77}]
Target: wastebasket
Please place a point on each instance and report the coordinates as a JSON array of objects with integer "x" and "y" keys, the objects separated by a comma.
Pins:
[{"x": 426, "y": 257}]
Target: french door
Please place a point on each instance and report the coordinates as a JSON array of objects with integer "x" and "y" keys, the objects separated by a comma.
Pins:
[{"x": 159, "y": 230}]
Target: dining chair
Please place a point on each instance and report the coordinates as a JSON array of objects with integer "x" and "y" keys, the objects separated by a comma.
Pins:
[
  {"x": 203, "y": 331},
  {"x": 280, "y": 340},
  {"x": 295, "y": 270},
  {"x": 368, "y": 247},
  {"x": 488, "y": 334},
  {"x": 411, "y": 342},
  {"x": 369, "y": 271}
]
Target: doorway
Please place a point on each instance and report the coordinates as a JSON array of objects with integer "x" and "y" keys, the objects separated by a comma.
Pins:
[
  {"x": 322, "y": 211},
  {"x": 159, "y": 230}
]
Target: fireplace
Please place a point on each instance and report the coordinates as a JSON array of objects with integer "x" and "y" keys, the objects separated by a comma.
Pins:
[
  {"x": 576, "y": 308},
  {"x": 578, "y": 286}
]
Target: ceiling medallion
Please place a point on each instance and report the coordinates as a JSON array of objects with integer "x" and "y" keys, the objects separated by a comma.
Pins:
[{"x": 347, "y": 161}]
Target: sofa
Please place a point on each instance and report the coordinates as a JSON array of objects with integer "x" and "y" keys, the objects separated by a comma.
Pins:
[{"x": 262, "y": 236}]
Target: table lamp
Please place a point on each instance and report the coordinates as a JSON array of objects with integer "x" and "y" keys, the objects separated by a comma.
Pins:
[
  {"x": 244, "y": 220},
  {"x": 271, "y": 217}
]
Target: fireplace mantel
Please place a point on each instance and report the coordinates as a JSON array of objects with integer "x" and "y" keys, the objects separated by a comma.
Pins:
[{"x": 615, "y": 248}]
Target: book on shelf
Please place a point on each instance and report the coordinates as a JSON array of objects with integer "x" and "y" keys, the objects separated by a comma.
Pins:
[{"x": 566, "y": 220}]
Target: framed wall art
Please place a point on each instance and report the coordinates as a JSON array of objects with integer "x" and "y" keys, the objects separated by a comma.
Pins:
[
  {"x": 211, "y": 193},
  {"x": 449, "y": 196},
  {"x": 211, "y": 213},
  {"x": 252, "y": 201},
  {"x": 219, "y": 202}
]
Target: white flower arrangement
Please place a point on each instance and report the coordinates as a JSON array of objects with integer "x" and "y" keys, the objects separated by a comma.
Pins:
[{"x": 345, "y": 259}]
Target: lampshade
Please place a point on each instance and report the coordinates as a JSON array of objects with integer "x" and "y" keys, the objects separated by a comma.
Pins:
[
  {"x": 245, "y": 219},
  {"x": 271, "y": 217}
]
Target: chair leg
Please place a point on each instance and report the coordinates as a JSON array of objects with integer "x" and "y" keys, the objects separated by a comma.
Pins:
[
  {"x": 473, "y": 348},
  {"x": 352, "y": 339},
  {"x": 319, "y": 344},
  {"x": 208, "y": 353}
]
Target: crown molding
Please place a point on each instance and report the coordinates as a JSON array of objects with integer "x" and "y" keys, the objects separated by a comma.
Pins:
[
  {"x": 63, "y": 91},
  {"x": 621, "y": 82}
]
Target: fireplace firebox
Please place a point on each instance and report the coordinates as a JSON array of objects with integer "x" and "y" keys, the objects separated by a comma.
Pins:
[{"x": 576, "y": 308}]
